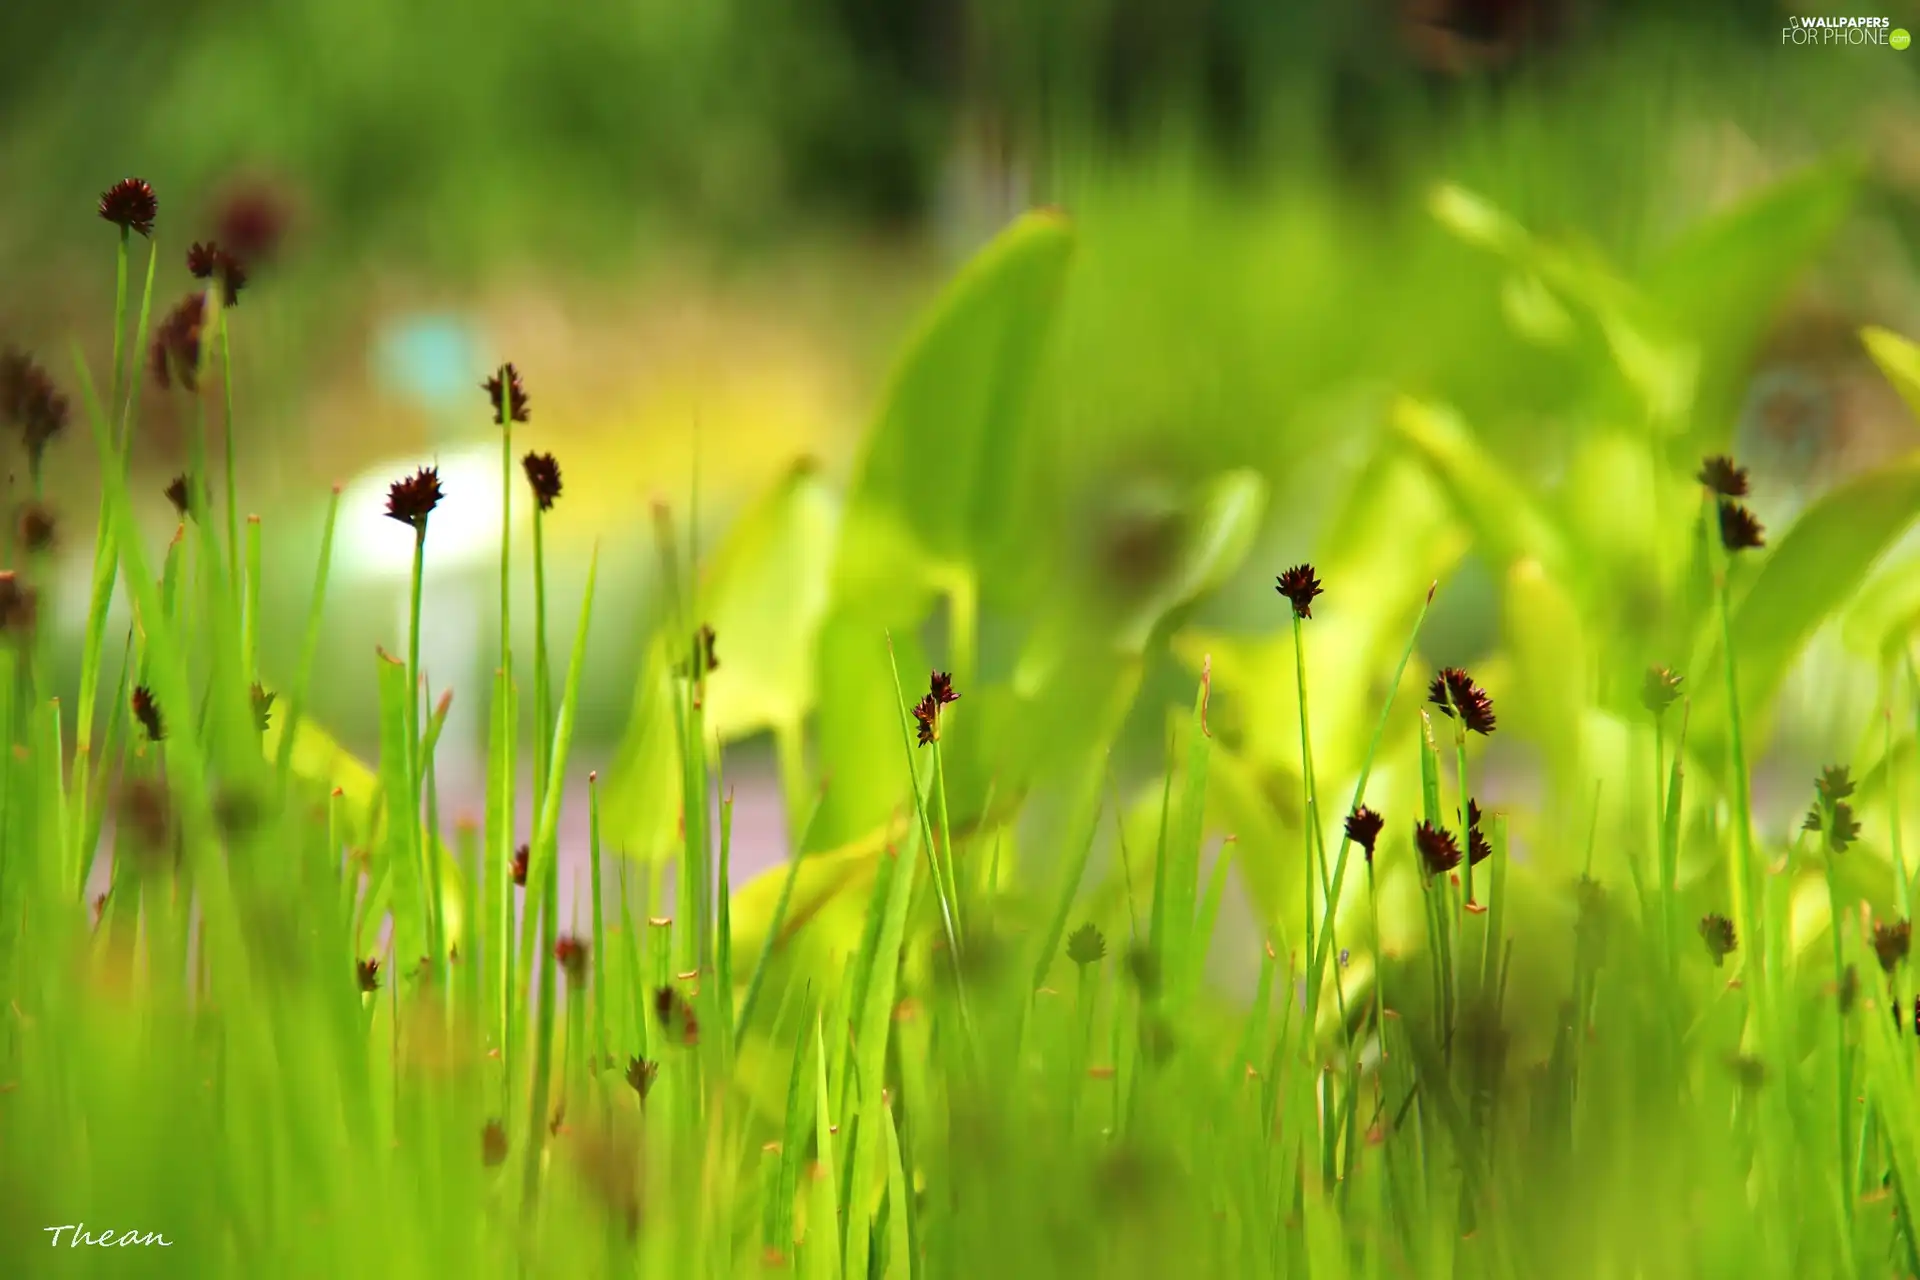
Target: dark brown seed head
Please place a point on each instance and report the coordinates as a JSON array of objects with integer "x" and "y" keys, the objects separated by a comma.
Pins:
[
  {"x": 1299, "y": 586},
  {"x": 251, "y": 222},
  {"x": 1144, "y": 968},
  {"x": 493, "y": 1143},
  {"x": 175, "y": 348},
  {"x": 145, "y": 811},
  {"x": 702, "y": 653},
  {"x": 1836, "y": 821},
  {"x": 411, "y": 500},
  {"x": 1891, "y": 942},
  {"x": 1439, "y": 851},
  {"x": 571, "y": 955},
  {"x": 1739, "y": 529},
  {"x": 1455, "y": 693},
  {"x": 1660, "y": 690},
  {"x": 926, "y": 717},
  {"x": 1835, "y": 783},
  {"x": 1085, "y": 946},
  {"x": 262, "y": 707},
  {"x": 1363, "y": 828},
  {"x": 31, "y": 403},
  {"x": 519, "y": 867},
  {"x": 19, "y": 605},
  {"x": 147, "y": 711},
  {"x": 1717, "y": 932},
  {"x": 208, "y": 261},
  {"x": 515, "y": 395},
  {"x": 641, "y": 1073},
  {"x": 543, "y": 476},
  {"x": 676, "y": 1016},
  {"x": 1722, "y": 478},
  {"x": 368, "y": 972},
  {"x": 180, "y": 495},
  {"x": 940, "y": 689},
  {"x": 1478, "y": 847},
  {"x": 130, "y": 205},
  {"x": 37, "y": 528}
]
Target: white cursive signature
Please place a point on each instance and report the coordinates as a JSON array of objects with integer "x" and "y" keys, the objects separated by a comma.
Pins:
[{"x": 106, "y": 1238}]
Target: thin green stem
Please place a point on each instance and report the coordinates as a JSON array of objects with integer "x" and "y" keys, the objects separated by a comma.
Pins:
[
  {"x": 1311, "y": 807},
  {"x": 233, "y": 488},
  {"x": 429, "y": 887},
  {"x": 542, "y": 677}
]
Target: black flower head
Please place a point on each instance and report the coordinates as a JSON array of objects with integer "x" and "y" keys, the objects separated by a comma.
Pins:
[
  {"x": 1439, "y": 851},
  {"x": 517, "y": 404},
  {"x": 1891, "y": 942},
  {"x": 641, "y": 1073},
  {"x": 409, "y": 501},
  {"x": 519, "y": 868},
  {"x": 676, "y": 1015},
  {"x": 543, "y": 476},
  {"x": 262, "y": 707},
  {"x": 175, "y": 348},
  {"x": 209, "y": 261},
  {"x": 940, "y": 689},
  {"x": 1143, "y": 966},
  {"x": 702, "y": 652},
  {"x": 1739, "y": 529},
  {"x": 571, "y": 954},
  {"x": 1363, "y": 828},
  {"x": 368, "y": 972},
  {"x": 493, "y": 1143},
  {"x": 19, "y": 605},
  {"x": 1836, "y": 820},
  {"x": 1299, "y": 586},
  {"x": 1478, "y": 847},
  {"x": 37, "y": 528},
  {"x": 926, "y": 719},
  {"x": 1085, "y": 946},
  {"x": 1660, "y": 690},
  {"x": 147, "y": 712},
  {"x": 180, "y": 495},
  {"x": 251, "y": 222},
  {"x": 1722, "y": 478},
  {"x": 1717, "y": 932},
  {"x": 30, "y": 402},
  {"x": 130, "y": 205},
  {"x": 1835, "y": 783},
  {"x": 146, "y": 811},
  {"x": 1455, "y": 693}
]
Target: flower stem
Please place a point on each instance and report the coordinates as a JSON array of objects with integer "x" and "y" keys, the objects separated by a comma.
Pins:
[
  {"x": 233, "y": 488},
  {"x": 429, "y": 888},
  {"x": 542, "y": 684},
  {"x": 1311, "y": 804}
]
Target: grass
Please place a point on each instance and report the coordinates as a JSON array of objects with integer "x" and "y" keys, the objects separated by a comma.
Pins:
[{"x": 305, "y": 1035}]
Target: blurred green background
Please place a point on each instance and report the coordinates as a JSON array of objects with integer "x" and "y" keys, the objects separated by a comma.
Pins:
[{"x": 703, "y": 230}]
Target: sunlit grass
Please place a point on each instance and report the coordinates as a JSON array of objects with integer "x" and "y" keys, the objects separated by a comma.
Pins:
[{"x": 314, "y": 1028}]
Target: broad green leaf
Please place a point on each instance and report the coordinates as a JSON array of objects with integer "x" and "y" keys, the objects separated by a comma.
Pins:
[
  {"x": 1722, "y": 282},
  {"x": 1899, "y": 361},
  {"x": 401, "y": 848},
  {"x": 1812, "y": 571},
  {"x": 1507, "y": 524},
  {"x": 1223, "y": 518},
  {"x": 765, "y": 595},
  {"x": 934, "y": 502},
  {"x": 1553, "y": 666},
  {"x": 942, "y": 463}
]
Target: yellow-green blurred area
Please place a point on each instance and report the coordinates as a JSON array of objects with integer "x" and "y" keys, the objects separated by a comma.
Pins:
[{"x": 703, "y": 232}]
